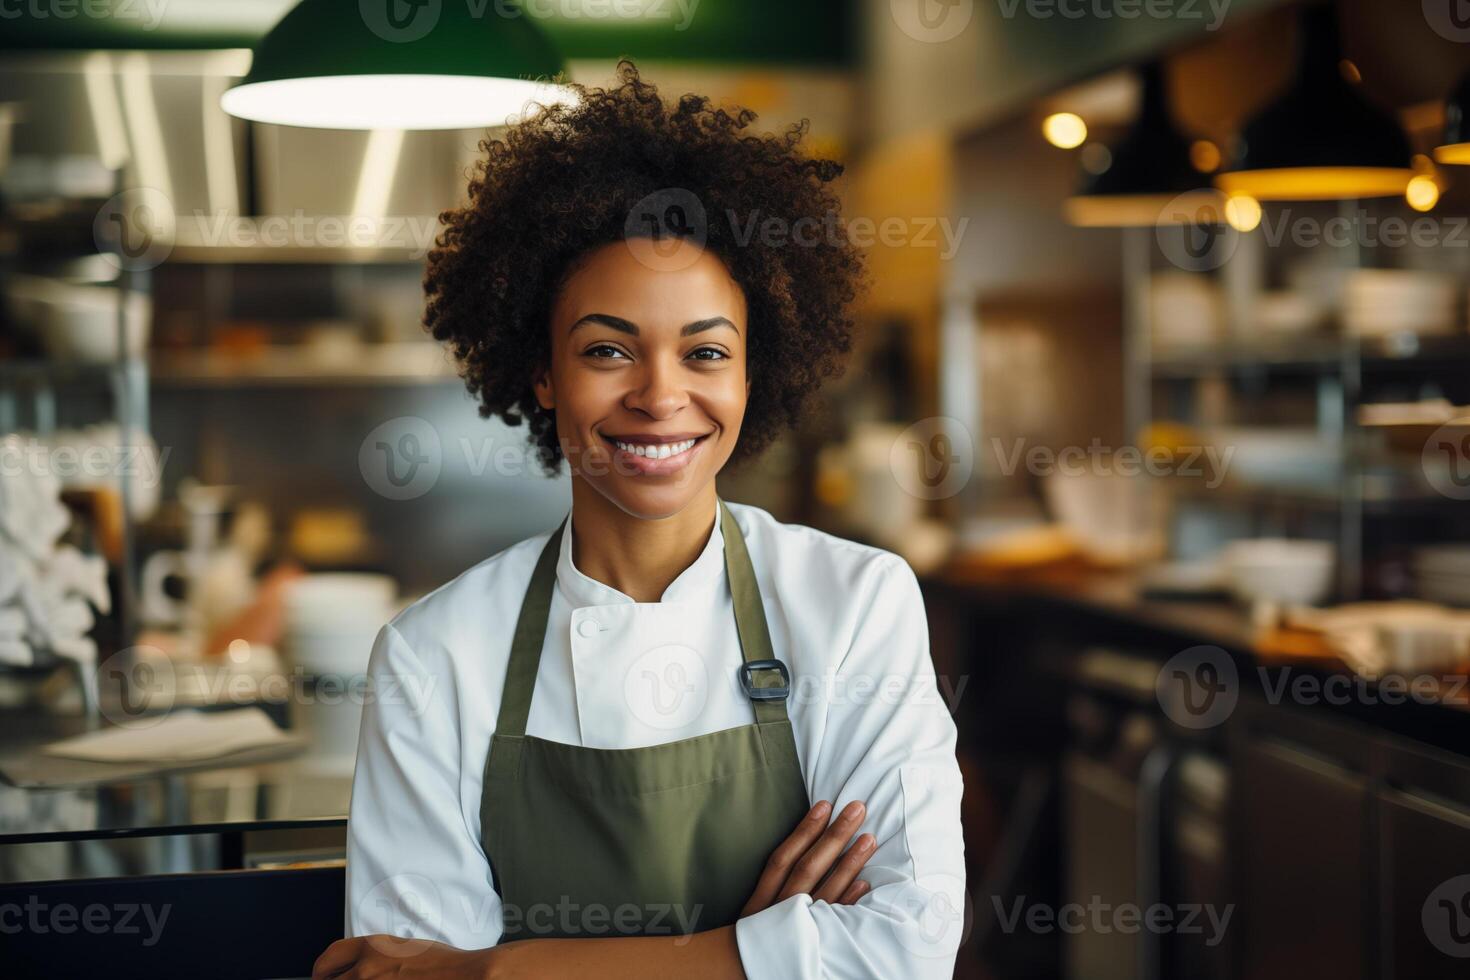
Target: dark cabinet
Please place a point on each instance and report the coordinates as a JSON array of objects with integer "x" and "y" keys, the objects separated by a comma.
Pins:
[
  {"x": 1303, "y": 874},
  {"x": 1424, "y": 816}
]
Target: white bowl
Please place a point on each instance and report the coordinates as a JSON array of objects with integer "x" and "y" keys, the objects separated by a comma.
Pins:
[{"x": 1284, "y": 570}]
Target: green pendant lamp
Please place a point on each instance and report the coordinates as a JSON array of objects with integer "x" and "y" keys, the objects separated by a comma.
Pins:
[
  {"x": 1321, "y": 140},
  {"x": 1151, "y": 179},
  {"x": 398, "y": 64}
]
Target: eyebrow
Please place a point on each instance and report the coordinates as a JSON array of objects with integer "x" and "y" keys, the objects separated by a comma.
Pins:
[{"x": 628, "y": 327}]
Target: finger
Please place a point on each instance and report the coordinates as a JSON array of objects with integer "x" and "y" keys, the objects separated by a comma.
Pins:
[
  {"x": 784, "y": 857},
  {"x": 845, "y": 871},
  {"x": 819, "y": 858},
  {"x": 855, "y": 891},
  {"x": 337, "y": 957}
]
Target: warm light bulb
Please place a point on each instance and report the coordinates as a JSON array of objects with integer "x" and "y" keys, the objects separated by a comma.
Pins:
[
  {"x": 1064, "y": 129},
  {"x": 1243, "y": 212},
  {"x": 1204, "y": 155},
  {"x": 1422, "y": 193}
]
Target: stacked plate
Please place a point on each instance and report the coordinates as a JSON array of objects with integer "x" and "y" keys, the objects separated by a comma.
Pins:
[
  {"x": 1380, "y": 302},
  {"x": 1443, "y": 573},
  {"x": 333, "y": 618}
]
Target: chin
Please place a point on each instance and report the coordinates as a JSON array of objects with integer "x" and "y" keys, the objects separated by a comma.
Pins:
[{"x": 649, "y": 500}]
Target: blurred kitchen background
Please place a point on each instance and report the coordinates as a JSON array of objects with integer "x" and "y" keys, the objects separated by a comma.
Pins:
[{"x": 1163, "y": 388}]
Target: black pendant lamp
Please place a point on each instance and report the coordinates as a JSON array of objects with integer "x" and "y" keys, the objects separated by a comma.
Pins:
[
  {"x": 1455, "y": 145},
  {"x": 1151, "y": 179},
  {"x": 1321, "y": 140}
]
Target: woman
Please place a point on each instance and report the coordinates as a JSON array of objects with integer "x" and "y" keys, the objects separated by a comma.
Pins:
[{"x": 645, "y": 743}]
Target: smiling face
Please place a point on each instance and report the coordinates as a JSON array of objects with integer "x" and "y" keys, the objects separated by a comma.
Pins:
[{"x": 648, "y": 375}]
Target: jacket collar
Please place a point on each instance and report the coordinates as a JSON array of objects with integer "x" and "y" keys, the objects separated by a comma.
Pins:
[{"x": 703, "y": 574}]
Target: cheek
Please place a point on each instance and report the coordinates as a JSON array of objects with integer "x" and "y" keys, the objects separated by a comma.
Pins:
[{"x": 729, "y": 399}]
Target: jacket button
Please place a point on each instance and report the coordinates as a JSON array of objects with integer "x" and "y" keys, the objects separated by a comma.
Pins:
[{"x": 587, "y": 628}]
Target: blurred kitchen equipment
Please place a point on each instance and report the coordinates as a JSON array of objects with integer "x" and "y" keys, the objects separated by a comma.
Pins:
[
  {"x": 872, "y": 498},
  {"x": 1442, "y": 573},
  {"x": 99, "y": 456},
  {"x": 1279, "y": 570},
  {"x": 1403, "y": 637},
  {"x": 1201, "y": 579},
  {"x": 182, "y": 737},
  {"x": 47, "y": 590},
  {"x": 332, "y": 619},
  {"x": 1379, "y": 302},
  {"x": 80, "y": 322},
  {"x": 205, "y": 506},
  {"x": 1287, "y": 313},
  {"x": 1298, "y": 456},
  {"x": 1116, "y": 519},
  {"x": 330, "y": 537},
  {"x": 1185, "y": 310}
]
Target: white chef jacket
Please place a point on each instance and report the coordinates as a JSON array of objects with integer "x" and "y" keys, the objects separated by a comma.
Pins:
[{"x": 869, "y": 722}]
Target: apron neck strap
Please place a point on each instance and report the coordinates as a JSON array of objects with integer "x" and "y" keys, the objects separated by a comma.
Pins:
[{"x": 530, "y": 634}]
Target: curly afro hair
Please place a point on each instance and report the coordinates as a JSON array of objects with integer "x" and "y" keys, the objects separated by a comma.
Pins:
[{"x": 580, "y": 175}]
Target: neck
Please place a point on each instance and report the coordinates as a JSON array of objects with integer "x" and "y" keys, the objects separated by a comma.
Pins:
[{"x": 637, "y": 556}]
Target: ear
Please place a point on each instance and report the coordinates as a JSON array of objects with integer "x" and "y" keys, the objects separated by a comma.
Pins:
[{"x": 545, "y": 392}]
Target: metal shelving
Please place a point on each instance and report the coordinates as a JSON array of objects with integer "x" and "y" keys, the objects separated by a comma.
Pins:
[{"x": 1333, "y": 368}]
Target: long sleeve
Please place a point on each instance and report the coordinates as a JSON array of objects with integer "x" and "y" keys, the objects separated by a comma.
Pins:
[
  {"x": 405, "y": 795},
  {"x": 888, "y": 740}
]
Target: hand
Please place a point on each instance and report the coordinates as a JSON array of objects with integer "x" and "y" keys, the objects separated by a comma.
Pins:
[
  {"x": 799, "y": 863},
  {"x": 371, "y": 956}
]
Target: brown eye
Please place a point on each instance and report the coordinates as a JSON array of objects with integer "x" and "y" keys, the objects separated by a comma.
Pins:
[
  {"x": 604, "y": 351},
  {"x": 708, "y": 354}
]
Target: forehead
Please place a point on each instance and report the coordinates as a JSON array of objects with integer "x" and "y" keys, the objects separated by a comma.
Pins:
[{"x": 613, "y": 280}]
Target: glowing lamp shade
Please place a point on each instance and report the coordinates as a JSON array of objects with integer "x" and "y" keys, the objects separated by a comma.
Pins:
[
  {"x": 1320, "y": 140},
  {"x": 1152, "y": 178},
  {"x": 1454, "y": 147},
  {"x": 335, "y": 65}
]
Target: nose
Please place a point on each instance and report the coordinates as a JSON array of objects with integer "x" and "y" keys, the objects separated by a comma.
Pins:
[{"x": 658, "y": 391}]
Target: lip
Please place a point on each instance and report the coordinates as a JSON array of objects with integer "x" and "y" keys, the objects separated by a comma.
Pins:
[
  {"x": 649, "y": 439},
  {"x": 633, "y": 464}
]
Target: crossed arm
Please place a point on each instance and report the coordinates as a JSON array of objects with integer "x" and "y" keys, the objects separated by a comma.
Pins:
[{"x": 811, "y": 861}]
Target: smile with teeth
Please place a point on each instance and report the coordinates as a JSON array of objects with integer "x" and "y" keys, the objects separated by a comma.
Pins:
[{"x": 661, "y": 450}]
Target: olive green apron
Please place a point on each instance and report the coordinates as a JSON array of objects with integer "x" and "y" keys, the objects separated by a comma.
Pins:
[{"x": 667, "y": 839}]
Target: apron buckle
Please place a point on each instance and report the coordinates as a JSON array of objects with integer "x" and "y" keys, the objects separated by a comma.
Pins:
[{"x": 765, "y": 691}]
